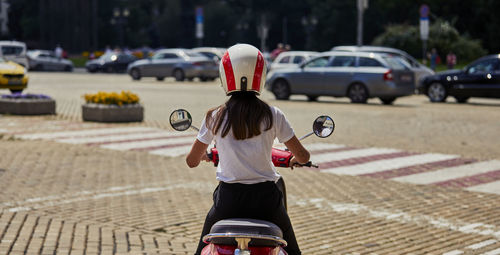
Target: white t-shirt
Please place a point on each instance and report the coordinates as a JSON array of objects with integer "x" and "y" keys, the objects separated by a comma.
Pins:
[{"x": 248, "y": 161}]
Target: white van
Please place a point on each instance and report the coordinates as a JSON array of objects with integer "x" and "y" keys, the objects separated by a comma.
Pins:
[{"x": 14, "y": 51}]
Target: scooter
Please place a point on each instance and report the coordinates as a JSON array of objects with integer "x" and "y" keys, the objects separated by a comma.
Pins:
[{"x": 241, "y": 236}]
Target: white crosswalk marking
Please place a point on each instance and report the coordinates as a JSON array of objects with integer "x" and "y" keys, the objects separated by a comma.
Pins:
[
  {"x": 173, "y": 144},
  {"x": 454, "y": 252},
  {"x": 333, "y": 156},
  {"x": 491, "y": 187},
  {"x": 88, "y": 132},
  {"x": 451, "y": 173},
  {"x": 146, "y": 144},
  {"x": 481, "y": 244},
  {"x": 117, "y": 138},
  {"x": 493, "y": 252},
  {"x": 388, "y": 164},
  {"x": 172, "y": 152}
]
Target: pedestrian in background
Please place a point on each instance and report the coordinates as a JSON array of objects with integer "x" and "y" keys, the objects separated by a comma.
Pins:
[
  {"x": 451, "y": 60},
  {"x": 58, "y": 51},
  {"x": 279, "y": 48},
  {"x": 434, "y": 59}
]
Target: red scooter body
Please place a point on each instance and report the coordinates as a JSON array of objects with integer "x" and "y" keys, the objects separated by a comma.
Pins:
[{"x": 280, "y": 158}]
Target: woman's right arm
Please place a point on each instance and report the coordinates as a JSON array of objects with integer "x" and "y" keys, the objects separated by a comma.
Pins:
[{"x": 300, "y": 153}]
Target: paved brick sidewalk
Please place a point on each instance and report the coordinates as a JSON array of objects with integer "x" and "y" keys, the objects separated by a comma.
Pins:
[{"x": 72, "y": 199}]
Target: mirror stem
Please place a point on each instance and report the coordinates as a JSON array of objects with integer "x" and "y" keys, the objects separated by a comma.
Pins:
[
  {"x": 305, "y": 136},
  {"x": 195, "y": 128}
]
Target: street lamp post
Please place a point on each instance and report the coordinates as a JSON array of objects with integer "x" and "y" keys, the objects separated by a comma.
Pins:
[
  {"x": 309, "y": 24},
  {"x": 362, "y": 5},
  {"x": 120, "y": 16}
]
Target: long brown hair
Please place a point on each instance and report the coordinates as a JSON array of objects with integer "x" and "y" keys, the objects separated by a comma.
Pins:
[{"x": 245, "y": 115}]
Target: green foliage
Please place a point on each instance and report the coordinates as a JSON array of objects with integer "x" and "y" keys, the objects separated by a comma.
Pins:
[{"x": 442, "y": 36}]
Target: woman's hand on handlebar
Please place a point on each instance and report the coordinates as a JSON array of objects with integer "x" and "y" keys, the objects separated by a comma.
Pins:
[
  {"x": 294, "y": 163},
  {"x": 205, "y": 158}
]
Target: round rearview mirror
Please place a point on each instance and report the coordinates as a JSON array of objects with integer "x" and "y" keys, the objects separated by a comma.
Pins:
[
  {"x": 323, "y": 126},
  {"x": 180, "y": 120}
]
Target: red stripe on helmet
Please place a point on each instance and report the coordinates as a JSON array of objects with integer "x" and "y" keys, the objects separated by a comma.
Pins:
[
  {"x": 228, "y": 71},
  {"x": 257, "y": 76}
]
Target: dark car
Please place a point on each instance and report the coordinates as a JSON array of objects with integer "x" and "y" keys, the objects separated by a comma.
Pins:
[
  {"x": 481, "y": 78},
  {"x": 110, "y": 63}
]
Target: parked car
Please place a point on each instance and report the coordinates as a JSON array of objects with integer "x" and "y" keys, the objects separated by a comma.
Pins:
[
  {"x": 14, "y": 51},
  {"x": 211, "y": 52},
  {"x": 177, "y": 63},
  {"x": 46, "y": 60},
  {"x": 12, "y": 76},
  {"x": 291, "y": 58},
  {"x": 357, "y": 75},
  {"x": 419, "y": 69},
  {"x": 110, "y": 63},
  {"x": 481, "y": 78}
]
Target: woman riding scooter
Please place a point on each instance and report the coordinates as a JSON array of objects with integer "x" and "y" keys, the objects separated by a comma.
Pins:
[{"x": 244, "y": 129}]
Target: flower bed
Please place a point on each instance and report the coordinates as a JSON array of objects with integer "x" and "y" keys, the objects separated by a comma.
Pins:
[
  {"x": 112, "y": 107},
  {"x": 27, "y": 104}
]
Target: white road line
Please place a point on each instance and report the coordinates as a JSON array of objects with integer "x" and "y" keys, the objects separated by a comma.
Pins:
[
  {"x": 481, "y": 244},
  {"x": 149, "y": 143},
  {"x": 454, "y": 252},
  {"x": 388, "y": 164},
  {"x": 87, "y": 132},
  {"x": 491, "y": 187},
  {"x": 333, "y": 156},
  {"x": 396, "y": 215},
  {"x": 450, "y": 173},
  {"x": 115, "y": 138},
  {"x": 322, "y": 146},
  {"x": 493, "y": 252},
  {"x": 172, "y": 152}
]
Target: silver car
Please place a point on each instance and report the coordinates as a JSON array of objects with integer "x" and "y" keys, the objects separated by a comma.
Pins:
[
  {"x": 420, "y": 70},
  {"x": 178, "y": 63},
  {"x": 357, "y": 75},
  {"x": 291, "y": 58},
  {"x": 46, "y": 60}
]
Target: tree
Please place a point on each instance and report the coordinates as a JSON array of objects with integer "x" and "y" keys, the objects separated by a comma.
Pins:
[{"x": 442, "y": 36}]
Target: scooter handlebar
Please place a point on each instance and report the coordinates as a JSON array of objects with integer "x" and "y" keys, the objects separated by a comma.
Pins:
[{"x": 280, "y": 158}]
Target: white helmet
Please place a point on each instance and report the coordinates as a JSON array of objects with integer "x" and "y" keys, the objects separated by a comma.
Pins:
[{"x": 242, "y": 68}]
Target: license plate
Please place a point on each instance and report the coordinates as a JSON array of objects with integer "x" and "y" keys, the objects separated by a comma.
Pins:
[
  {"x": 406, "y": 78},
  {"x": 15, "y": 82}
]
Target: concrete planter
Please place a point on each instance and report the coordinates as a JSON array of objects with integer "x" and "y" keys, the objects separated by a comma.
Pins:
[
  {"x": 112, "y": 113},
  {"x": 27, "y": 106}
]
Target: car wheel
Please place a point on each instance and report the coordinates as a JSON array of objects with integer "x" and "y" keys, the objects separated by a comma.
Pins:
[
  {"x": 281, "y": 90},
  {"x": 437, "y": 92},
  {"x": 179, "y": 75},
  {"x": 135, "y": 74},
  {"x": 461, "y": 100},
  {"x": 16, "y": 91},
  {"x": 312, "y": 98},
  {"x": 160, "y": 78},
  {"x": 358, "y": 93},
  {"x": 387, "y": 100},
  {"x": 109, "y": 69},
  {"x": 203, "y": 79},
  {"x": 68, "y": 68}
]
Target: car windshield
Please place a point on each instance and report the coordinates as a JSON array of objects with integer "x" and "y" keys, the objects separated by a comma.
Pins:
[
  {"x": 12, "y": 50},
  {"x": 396, "y": 63}
]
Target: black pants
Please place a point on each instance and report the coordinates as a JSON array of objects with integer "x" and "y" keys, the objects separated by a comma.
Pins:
[{"x": 261, "y": 201}]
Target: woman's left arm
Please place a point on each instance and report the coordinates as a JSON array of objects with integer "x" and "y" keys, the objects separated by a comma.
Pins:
[{"x": 198, "y": 153}]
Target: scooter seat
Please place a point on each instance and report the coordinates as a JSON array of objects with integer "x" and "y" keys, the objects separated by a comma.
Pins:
[{"x": 261, "y": 233}]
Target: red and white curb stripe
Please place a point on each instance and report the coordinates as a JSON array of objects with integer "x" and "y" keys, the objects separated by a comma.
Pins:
[{"x": 383, "y": 163}]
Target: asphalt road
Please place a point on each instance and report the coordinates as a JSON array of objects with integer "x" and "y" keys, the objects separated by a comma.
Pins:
[{"x": 412, "y": 123}]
